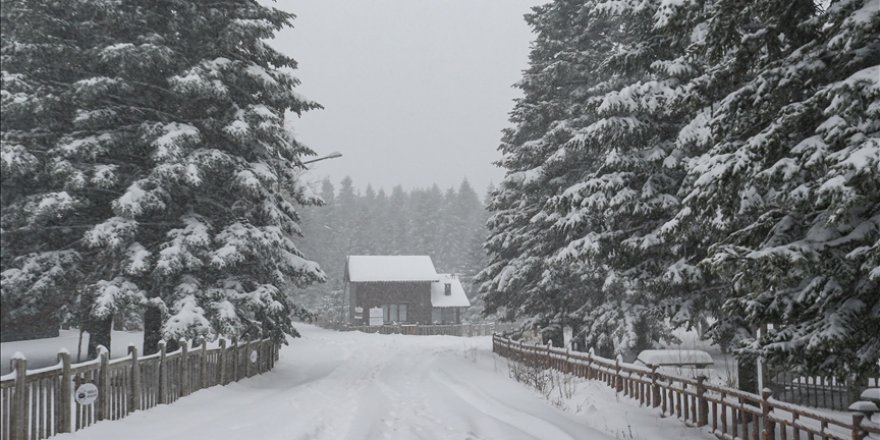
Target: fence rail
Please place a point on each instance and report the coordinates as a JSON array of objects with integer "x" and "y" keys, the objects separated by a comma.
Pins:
[
  {"x": 484, "y": 329},
  {"x": 728, "y": 413},
  {"x": 37, "y": 404}
]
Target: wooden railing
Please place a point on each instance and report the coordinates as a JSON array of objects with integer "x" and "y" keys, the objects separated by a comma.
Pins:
[
  {"x": 728, "y": 413},
  {"x": 484, "y": 329},
  {"x": 37, "y": 404}
]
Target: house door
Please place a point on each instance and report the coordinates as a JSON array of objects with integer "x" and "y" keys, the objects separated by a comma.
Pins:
[{"x": 377, "y": 317}]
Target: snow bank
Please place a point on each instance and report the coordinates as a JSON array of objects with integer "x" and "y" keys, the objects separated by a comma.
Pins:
[{"x": 44, "y": 352}]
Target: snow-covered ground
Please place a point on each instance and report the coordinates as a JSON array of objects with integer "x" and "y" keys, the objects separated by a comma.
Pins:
[
  {"x": 335, "y": 385},
  {"x": 44, "y": 352}
]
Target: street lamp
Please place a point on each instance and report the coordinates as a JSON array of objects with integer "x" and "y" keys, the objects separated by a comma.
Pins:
[{"x": 332, "y": 155}]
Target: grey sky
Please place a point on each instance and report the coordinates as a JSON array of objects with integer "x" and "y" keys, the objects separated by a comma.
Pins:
[{"x": 415, "y": 91}]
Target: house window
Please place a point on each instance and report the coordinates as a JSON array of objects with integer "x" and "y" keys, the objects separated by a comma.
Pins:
[
  {"x": 447, "y": 315},
  {"x": 394, "y": 313},
  {"x": 444, "y": 315},
  {"x": 448, "y": 289}
]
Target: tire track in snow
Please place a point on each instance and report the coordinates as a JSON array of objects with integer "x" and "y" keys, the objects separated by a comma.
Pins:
[{"x": 525, "y": 423}]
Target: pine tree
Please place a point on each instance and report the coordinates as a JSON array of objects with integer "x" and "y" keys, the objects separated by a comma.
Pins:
[
  {"x": 790, "y": 183},
  {"x": 398, "y": 207},
  {"x": 518, "y": 245},
  {"x": 675, "y": 160},
  {"x": 188, "y": 175},
  {"x": 346, "y": 206},
  {"x": 49, "y": 197},
  {"x": 621, "y": 184}
]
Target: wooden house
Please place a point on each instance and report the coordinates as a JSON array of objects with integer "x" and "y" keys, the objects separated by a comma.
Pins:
[
  {"x": 382, "y": 289},
  {"x": 448, "y": 299}
]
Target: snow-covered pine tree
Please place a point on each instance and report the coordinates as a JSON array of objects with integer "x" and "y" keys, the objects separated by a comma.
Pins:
[
  {"x": 469, "y": 255},
  {"x": 791, "y": 183},
  {"x": 398, "y": 221},
  {"x": 188, "y": 175},
  {"x": 349, "y": 228},
  {"x": 520, "y": 240},
  {"x": 620, "y": 182},
  {"x": 425, "y": 221},
  {"x": 50, "y": 199}
]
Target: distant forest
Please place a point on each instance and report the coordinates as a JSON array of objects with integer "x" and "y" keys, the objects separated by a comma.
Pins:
[{"x": 449, "y": 226}]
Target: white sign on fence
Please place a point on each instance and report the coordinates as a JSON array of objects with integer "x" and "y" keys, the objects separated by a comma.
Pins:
[
  {"x": 377, "y": 317},
  {"x": 253, "y": 356},
  {"x": 86, "y": 394}
]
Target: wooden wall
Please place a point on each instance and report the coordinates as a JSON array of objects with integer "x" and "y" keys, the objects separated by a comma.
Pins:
[{"x": 416, "y": 296}]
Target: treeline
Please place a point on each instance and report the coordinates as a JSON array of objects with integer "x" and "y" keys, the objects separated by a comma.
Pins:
[
  {"x": 449, "y": 226},
  {"x": 674, "y": 162}
]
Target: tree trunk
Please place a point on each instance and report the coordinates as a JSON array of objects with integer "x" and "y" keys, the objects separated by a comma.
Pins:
[
  {"x": 554, "y": 334},
  {"x": 747, "y": 370},
  {"x": 153, "y": 331},
  {"x": 99, "y": 334},
  {"x": 854, "y": 386}
]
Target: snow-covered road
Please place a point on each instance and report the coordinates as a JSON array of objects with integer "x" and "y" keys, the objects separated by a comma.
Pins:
[{"x": 331, "y": 385}]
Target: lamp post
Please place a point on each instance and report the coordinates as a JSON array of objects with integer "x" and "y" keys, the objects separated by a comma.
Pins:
[{"x": 332, "y": 155}]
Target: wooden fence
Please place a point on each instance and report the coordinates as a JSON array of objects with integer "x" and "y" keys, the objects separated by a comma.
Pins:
[
  {"x": 37, "y": 404},
  {"x": 728, "y": 413},
  {"x": 484, "y": 329}
]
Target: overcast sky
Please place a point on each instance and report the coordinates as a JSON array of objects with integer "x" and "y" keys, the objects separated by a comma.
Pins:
[{"x": 415, "y": 91}]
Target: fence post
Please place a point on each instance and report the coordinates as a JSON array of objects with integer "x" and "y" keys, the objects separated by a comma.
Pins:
[
  {"x": 267, "y": 353},
  {"x": 135, "y": 380},
  {"x": 618, "y": 380},
  {"x": 203, "y": 364},
  {"x": 235, "y": 358},
  {"x": 64, "y": 416},
  {"x": 769, "y": 431},
  {"x": 589, "y": 373},
  {"x": 221, "y": 359},
  {"x": 702, "y": 403},
  {"x": 247, "y": 358},
  {"x": 549, "y": 360},
  {"x": 567, "y": 365},
  {"x": 264, "y": 355},
  {"x": 163, "y": 373},
  {"x": 103, "y": 404},
  {"x": 271, "y": 354},
  {"x": 19, "y": 416},
  {"x": 184, "y": 367},
  {"x": 259, "y": 349},
  {"x": 857, "y": 433},
  {"x": 655, "y": 388}
]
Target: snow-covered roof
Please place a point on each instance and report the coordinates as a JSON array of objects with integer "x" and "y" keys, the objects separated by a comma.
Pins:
[
  {"x": 456, "y": 297},
  {"x": 674, "y": 357},
  {"x": 378, "y": 268}
]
